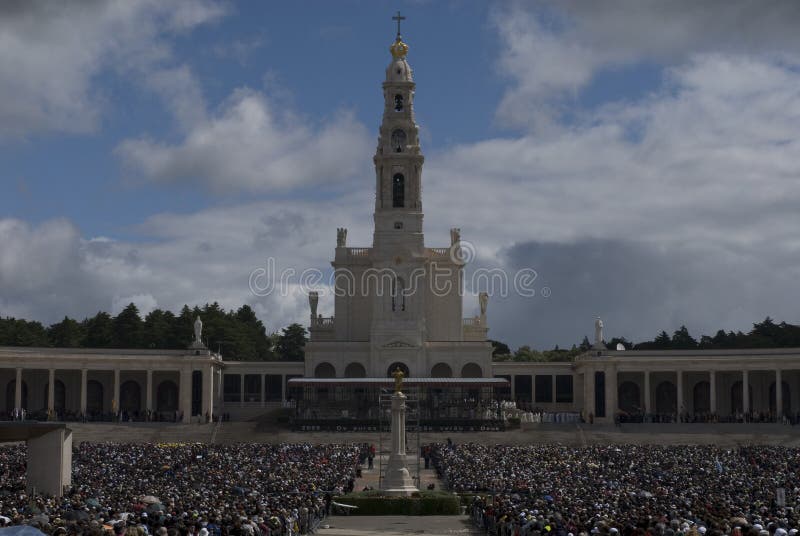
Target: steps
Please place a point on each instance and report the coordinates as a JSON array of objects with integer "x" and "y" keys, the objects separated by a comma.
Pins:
[{"x": 140, "y": 432}]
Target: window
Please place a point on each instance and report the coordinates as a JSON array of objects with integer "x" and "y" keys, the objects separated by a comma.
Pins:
[
  {"x": 398, "y": 101},
  {"x": 398, "y": 191},
  {"x": 398, "y": 295},
  {"x": 398, "y": 140}
]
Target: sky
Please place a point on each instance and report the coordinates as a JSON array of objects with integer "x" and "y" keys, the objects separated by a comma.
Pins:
[{"x": 633, "y": 159}]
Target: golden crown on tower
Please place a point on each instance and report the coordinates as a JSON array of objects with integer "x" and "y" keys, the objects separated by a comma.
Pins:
[{"x": 398, "y": 49}]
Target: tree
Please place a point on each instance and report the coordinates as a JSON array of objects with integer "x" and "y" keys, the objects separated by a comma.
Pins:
[
  {"x": 499, "y": 348},
  {"x": 68, "y": 333},
  {"x": 291, "y": 342},
  {"x": 99, "y": 331},
  {"x": 127, "y": 328},
  {"x": 681, "y": 339},
  {"x": 585, "y": 345},
  {"x": 158, "y": 330}
]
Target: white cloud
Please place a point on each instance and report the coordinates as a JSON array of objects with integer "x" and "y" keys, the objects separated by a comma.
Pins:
[
  {"x": 553, "y": 49},
  {"x": 250, "y": 144},
  {"x": 51, "y": 52},
  {"x": 51, "y": 271}
]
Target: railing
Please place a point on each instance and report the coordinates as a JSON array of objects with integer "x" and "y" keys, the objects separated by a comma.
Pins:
[
  {"x": 358, "y": 252},
  {"x": 474, "y": 321},
  {"x": 439, "y": 252},
  {"x": 323, "y": 322}
]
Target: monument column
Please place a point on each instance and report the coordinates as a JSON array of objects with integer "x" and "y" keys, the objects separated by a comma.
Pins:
[
  {"x": 647, "y": 402},
  {"x": 397, "y": 480},
  {"x": 51, "y": 380},
  {"x": 18, "y": 389},
  {"x": 148, "y": 391},
  {"x": 712, "y": 380},
  {"x": 84, "y": 382},
  {"x": 778, "y": 395}
]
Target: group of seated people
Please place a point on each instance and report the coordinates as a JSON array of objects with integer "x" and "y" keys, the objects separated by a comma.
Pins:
[
  {"x": 184, "y": 489},
  {"x": 627, "y": 489}
]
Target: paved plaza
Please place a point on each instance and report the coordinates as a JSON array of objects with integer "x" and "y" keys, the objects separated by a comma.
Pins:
[{"x": 398, "y": 526}]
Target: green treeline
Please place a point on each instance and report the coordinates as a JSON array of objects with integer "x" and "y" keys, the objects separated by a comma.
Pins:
[
  {"x": 766, "y": 334},
  {"x": 238, "y": 334}
]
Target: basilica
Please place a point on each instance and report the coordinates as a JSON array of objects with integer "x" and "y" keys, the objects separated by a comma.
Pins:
[{"x": 398, "y": 306}]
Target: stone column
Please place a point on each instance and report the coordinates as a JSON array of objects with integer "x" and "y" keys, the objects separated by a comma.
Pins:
[
  {"x": 148, "y": 391},
  {"x": 220, "y": 398},
  {"x": 533, "y": 390},
  {"x": 778, "y": 395},
  {"x": 555, "y": 397},
  {"x": 51, "y": 390},
  {"x": 18, "y": 389},
  {"x": 263, "y": 390},
  {"x": 241, "y": 390},
  {"x": 115, "y": 393},
  {"x": 588, "y": 389},
  {"x": 208, "y": 394},
  {"x": 679, "y": 399},
  {"x": 283, "y": 388},
  {"x": 611, "y": 393},
  {"x": 712, "y": 380},
  {"x": 84, "y": 382},
  {"x": 185, "y": 395},
  {"x": 513, "y": 388},
  {"x": 745, "y": 391},
  {"x": 647, "y": 397},
  {"x": 397, "y": 480}
]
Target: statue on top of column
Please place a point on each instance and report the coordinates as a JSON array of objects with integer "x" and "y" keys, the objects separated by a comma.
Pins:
[
  {"x": 398, "y": 379},
  {"x": 198, "y": 330},
  {"x": 341, "y": 237},
  {"x": 598, "y": 334}
]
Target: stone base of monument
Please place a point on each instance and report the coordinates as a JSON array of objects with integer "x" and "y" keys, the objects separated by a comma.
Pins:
[{"x": 397, "y": 481}]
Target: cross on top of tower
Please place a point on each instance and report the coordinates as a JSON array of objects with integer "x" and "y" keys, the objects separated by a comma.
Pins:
[{"x": 398, "y": 18}]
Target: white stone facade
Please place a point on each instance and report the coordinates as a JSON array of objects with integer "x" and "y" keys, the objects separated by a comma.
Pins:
[{"x": 398, "y": 302}]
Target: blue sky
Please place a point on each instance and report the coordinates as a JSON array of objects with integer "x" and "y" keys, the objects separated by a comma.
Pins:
[{"x": 638, "y": 155}]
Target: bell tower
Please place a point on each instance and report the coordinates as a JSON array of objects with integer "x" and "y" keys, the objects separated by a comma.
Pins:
[{"x": 398, "y": 163}]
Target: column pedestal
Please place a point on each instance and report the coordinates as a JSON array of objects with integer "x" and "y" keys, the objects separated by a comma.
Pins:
[{"x": 397, "y": 480}]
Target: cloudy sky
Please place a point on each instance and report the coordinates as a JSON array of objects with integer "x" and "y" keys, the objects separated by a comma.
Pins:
[{"x": 641, "y": 157}]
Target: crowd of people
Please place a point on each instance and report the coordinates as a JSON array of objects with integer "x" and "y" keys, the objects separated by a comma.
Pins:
[
  {"x": 185, "y": 489},
  {"x": 626, "y": 490}
]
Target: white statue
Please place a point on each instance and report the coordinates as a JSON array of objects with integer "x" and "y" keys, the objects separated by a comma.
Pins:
[
  {"x": 198, "y": 330},
  {"x": 483, "y": 300},
  {"x": 313, "y": 299},
  {"x": 598, "y": 334},
  {"x": 341, "y": 237}
]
